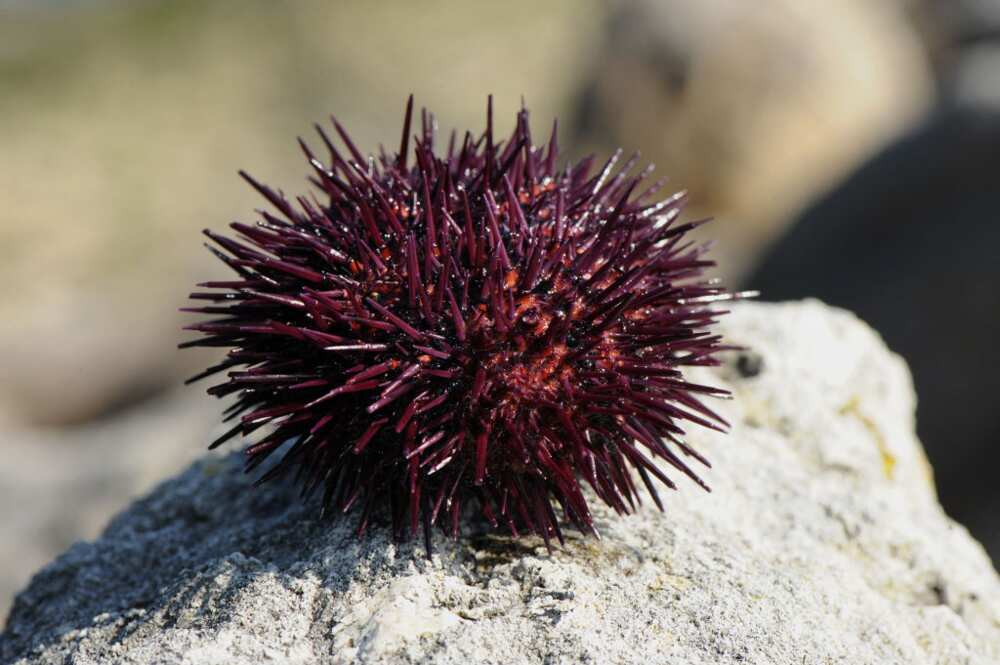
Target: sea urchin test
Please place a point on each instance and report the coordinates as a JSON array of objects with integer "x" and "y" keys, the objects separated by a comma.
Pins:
[{"x": 469, "y": 327}]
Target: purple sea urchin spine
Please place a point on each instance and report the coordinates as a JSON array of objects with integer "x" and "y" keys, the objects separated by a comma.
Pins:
[{"x": 482, "y": 326}]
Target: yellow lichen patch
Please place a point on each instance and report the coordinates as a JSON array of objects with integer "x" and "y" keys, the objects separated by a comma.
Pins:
[
  {"x": 852, "y": 408},
  {"x": 667, "y": 581},
  {"x": 925, "y": 465}
]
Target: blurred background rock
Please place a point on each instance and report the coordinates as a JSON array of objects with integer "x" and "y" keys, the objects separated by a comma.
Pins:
[{"x": 122, "y": 125}]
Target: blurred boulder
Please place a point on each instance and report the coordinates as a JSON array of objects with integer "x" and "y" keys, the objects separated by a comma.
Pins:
[
  {"x": 754, "y": 107},
  {"x": 952, "y": 28}
]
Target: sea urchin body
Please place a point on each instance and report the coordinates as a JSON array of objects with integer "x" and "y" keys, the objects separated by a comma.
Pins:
[{"x": 479, "y": 328}]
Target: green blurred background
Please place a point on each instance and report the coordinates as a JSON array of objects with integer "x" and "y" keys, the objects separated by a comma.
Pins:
[{"x": 122, "y": 125}]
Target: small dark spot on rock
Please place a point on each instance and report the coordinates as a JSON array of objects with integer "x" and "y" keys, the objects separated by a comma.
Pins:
[
  {"x": 749, "y": 364},
  {"x": 939, "y": 593}
]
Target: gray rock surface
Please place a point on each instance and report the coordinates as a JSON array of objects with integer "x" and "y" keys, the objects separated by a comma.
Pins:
[{"x": 822, "y": 542}]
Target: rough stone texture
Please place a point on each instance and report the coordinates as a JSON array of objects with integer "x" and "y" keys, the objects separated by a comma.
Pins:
[{"x": 822, "y": 542}]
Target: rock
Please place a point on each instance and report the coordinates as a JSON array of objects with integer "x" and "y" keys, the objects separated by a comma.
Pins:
[
  {"x": 754, "y": 112},
  {"x": 821, "y": 542}
]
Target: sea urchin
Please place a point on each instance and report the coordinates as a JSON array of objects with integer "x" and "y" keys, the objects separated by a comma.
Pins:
[{"x": 481, "y": 328}]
